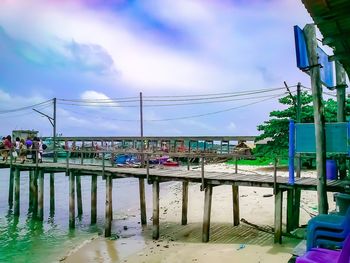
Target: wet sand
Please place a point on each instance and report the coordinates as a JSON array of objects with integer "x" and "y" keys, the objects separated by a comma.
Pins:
[{"x": 177, "y": 243}]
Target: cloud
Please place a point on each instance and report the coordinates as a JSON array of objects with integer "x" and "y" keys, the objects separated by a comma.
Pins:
[{"x": 232, "y": 127}]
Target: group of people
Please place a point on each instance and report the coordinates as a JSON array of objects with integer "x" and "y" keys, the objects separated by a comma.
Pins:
[{"x": 20, "y": 148}]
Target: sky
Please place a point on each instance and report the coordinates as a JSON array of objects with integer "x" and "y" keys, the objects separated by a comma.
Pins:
[{"x": 84, "y": 52}]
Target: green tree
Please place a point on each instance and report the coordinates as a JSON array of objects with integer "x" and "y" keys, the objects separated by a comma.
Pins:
[{"x": 276, "y": 129}]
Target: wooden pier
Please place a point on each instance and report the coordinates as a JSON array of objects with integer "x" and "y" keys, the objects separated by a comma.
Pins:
[{"x": 208, "y": 180}]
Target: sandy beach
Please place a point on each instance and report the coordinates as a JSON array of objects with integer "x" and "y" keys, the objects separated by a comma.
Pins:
[{"x": 177, "y": 243}]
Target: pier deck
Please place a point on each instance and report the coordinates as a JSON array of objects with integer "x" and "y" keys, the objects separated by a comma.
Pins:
[{"x": 207, "y": 179}]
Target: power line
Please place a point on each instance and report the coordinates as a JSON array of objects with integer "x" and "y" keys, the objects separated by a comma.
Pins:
[{"x": 25, "y": 108}]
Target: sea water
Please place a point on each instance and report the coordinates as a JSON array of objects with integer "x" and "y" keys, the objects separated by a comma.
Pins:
[{"x": 23, "y": 239}]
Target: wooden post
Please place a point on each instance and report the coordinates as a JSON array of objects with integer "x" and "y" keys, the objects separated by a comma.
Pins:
[
  {"x": 93, "y": 199},
  {"x": 52, "y": 194},
  {"x": 142, "y": 201},
  {"x": 82, "y": 153},
  {"x": 30, "y": 191},
  {"x": 206, "y": 214},
  {"x": 275, "y": 176},
  {"x": 10, "y": 197},
  {"x": 202, "y": 173},
  {"x": 109, "y": 210},
  {"x": 341, "y": 112},
  {"x": 236, "y": 165},
  {"x": 278, "y": 216},
  {"x": 71, "y": 200},
  {"x": 41, "y": 196},
  {"x": 310, "y": 35},
  {"x": 184, "y": 203},
  {"x": 155, "y": 233},
  {"x": 290, "y": 210},
  {"x": 79, "y": 200},
  {"x": 35, "y": 193},
  {"x": 112, "y": 154},
  {"x": 235, "y": 199},
  {"x": 17, "y": 192}
]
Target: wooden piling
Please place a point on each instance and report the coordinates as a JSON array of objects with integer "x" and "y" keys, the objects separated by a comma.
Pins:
[
  {"x": 52, "y": 193},
  {"x": 30, "y": 190},
  {"x": 290, "y": 210},
  {"x": 79, "y": 200},
  {"x": 235, "y": 199},
  {"x": 155, "y": 233},
  {"x": 35, "y": 193},
  {"x": 10, "y": 197},
  {"x": 17, "y": 192},
  {"x": 236, "y": 165},
  {"x": 142, "y": 201},
  {"x": 109, "y": 210},
  {"x": 93, "y": 199},
  {"x": 184, "y": 203},
  {"x": 41, "y": 196},
  {"x": 206, "y": 214},
  {"x": 71, "y": 200},
  {"x": 278, "y": 216}
]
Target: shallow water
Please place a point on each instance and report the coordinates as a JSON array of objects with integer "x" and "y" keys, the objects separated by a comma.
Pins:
[{"x": 23, "y": 239}]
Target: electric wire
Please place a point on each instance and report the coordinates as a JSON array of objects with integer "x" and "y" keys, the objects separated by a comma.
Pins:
[{"x": 26, "y": 107}]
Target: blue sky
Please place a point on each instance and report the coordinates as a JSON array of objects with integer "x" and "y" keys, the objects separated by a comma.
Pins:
[{"x": 114, "y": 49}]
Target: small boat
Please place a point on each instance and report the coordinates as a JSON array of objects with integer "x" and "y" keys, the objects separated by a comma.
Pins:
[
  {"x": 127, "y": 160},
  {"x": 159, "y": 160},
  {"x": 171, "y": 162}
]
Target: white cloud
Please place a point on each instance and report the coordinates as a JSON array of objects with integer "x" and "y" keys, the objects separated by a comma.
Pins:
[{"x": 232, "y": 127}]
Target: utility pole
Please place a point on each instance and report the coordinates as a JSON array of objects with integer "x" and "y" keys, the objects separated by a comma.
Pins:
[
  {"x": 341, "y": 86},
  {"x": 314, "y": 69},
  {"x": 298, "y": 109},
  {"x": 54, "y": 131},
  {"x": 141, "y": 129}
]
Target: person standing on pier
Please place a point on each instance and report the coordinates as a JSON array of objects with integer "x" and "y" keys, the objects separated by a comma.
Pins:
[
  {"x": 7, "y": 147},
  {"x": 22, "y": 151}
]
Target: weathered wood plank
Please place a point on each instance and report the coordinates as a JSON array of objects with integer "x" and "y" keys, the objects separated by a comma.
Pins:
[
  {"x": 278, "y": 216},
  {"x": 184, "y": 203},
  {"x": 206, "y": 214},
  {"x": 109, "y": 209},
  {"x": 93, "y": 199},
  {"x": 41, "y": 196},
  {"x": 155, "y": 233},
  {"x": 79, "y": 199},
  {"x": 17, "y": 192},
  {"x": 235, "y": 202},
  {"x": 52, "y": 194},
  {"x": 142, "y": 201},
  {"x": 71, "y": 200}
]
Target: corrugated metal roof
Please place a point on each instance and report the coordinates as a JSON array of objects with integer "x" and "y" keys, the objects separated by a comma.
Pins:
[{"x": 332, "y": 17}]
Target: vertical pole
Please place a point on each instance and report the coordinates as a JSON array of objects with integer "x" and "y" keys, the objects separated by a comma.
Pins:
[
  {"x": 291, "y": 151},
  {"x": 71, "y": 200},
  {"x": 17, "y": 192},
  {"x": 41, "y": 196},
  {"x": 93, "y": 199},
  {"x": 10, "y": 197},
  {"x": 278, "y": 216},
  {"x": 35, "y": 193},
  {"x": 52, "y": 194},
  {"x": 112, "y": 154},
  {"x": 109, "y": 210},
  {"x": 82, "y": 153},
  {"x": 141, "y": 130},
  {"x": 202, "y": 172},
  {"x": 236, "y": 165},
  {"x": 184, "y": 203},
  {"x": 155, "y": 187},
  {"x": 142, "y": 201},
  {"x": 290, "y": 210},
  {"x": 54, "y": 131},
  {"x": 235, "y": 199},
  {"x": 275, "y": 176},
  {"x": 79, "y": 200},
  {"x": 30, "y": 206},
  {"x": 298, "y": 120},
  {"x": 206, "y": 214},
  {"x": 341, "y": 85},
  {"x": 311, "y": 42},
  {"x": 297, "y": 191}
]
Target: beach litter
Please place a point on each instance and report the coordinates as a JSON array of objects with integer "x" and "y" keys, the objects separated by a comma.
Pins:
[{"x": 241, "y": 246}]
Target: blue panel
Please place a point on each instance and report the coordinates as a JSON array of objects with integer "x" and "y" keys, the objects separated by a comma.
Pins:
[
  {"x": 327, "y": 69},
  {"x": 336, "y": 137},
  {"x": 300, "y": 48}
]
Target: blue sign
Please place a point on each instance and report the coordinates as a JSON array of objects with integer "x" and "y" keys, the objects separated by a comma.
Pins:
[
  {"x": 300, "y": 48},
  {"x": 327, "y": 68}
]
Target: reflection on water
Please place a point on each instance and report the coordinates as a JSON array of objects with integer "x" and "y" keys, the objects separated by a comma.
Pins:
[{"x": 23, "y": 239}]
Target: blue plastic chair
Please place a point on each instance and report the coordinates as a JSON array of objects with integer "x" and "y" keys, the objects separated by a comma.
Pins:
[
  {"x": 334, "y": 228},
  {"x": 321, "y": 255}
]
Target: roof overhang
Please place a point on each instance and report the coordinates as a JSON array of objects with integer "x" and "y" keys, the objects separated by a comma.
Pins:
[{"x": 332, "y": 18}]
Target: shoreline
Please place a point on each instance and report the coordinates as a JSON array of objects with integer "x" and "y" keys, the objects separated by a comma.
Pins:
[{"x": 178, "y": 243}]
